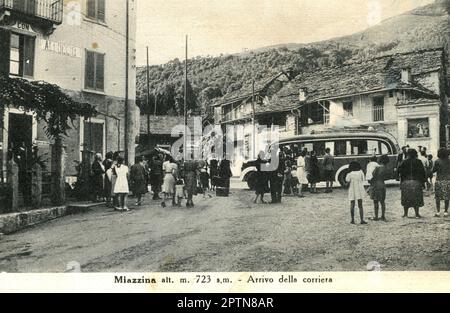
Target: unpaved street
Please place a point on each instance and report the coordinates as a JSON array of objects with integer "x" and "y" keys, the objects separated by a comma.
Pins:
[{"x": 231, "y": 235}]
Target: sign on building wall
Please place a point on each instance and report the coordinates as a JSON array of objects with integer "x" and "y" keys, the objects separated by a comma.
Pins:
[
  {"x": 23, "y": 27},
  {"x": 418, "y": 128},
  {"x": 60, "y": 48}
]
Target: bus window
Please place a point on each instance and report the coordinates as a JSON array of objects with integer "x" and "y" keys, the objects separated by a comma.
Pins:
[
  {"x": 319, "y": 148},
  {"x": 359, "y": 147},
  {"x": 348, "y": 150},
  {"x": 340, "y": 148},
  {"x": 372, "y": 147},
  {"x": 309, "y": 146},
  {"x": 330, "y": 145},
  {"x": 385, "y": 149}
]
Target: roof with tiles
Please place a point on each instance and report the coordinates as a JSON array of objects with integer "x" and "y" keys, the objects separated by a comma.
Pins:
[
  {"x": 365, "y": 76},
  {"x": 163, "y": 124}
]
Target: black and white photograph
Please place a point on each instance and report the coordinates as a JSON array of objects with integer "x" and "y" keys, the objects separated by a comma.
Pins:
[{"x": 239, "y": 136}]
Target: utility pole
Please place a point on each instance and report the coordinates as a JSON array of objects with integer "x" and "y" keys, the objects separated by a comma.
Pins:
[
  {"x": 254, "y": 119},
  {"x": 148, "y": 101},
  {"x": 127, "y": 38},
  {"x": 185, "y": 101}
]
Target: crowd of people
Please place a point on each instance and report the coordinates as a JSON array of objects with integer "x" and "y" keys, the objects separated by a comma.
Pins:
[
  {"x": 169, "y": 180},
  {"x": 294, "y": 174},
  {"x": 174, "y": 181},
  {"x": 415, "y": 169}
]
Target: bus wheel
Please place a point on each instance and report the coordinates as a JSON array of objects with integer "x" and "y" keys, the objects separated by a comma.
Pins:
[
  {"x": 251, "y": 180},
  {"x": 341, "y": 179}
]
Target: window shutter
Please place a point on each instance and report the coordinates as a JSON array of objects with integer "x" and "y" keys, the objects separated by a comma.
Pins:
[
  {"x": 90, "y": 70},
  {"x": 19, "y": 5},
  {"x": 28, "y": 56},
  {"x": 101, "y": 10},
  {"x": 100, "y": 72},
  {"x": 31, "y": 6},
  {"x": 4, "y": 51},
  {"x": 91, "y": 9}
]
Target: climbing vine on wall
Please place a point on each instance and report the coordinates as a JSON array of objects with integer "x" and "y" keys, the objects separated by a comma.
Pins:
[{"x": 47, "y": 101}]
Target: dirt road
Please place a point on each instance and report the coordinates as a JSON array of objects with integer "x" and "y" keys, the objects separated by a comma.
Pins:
[{"x": 231, "y": 235}]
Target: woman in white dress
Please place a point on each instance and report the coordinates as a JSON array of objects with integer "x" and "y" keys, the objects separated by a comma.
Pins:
[
  {"x": 301, "y": 173},
  {"x": 121, "y": 187},
  {"x": 169, "y": 170}
]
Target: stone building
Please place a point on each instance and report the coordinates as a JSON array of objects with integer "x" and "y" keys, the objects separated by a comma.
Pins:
[
  {"x": 403, "y": 94},
  {"x": 162, "y": 131},
  {"x": 81, "y": 46}
]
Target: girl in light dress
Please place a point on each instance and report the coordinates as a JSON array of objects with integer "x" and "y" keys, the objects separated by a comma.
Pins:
[
  {"x": 302, "y": 175},
  {"x": 356, "y": 190},
  {"x": 121, "y": 187}
]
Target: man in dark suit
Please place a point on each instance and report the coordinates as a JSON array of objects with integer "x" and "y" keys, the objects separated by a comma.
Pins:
[{"x": 276, "y": 178}]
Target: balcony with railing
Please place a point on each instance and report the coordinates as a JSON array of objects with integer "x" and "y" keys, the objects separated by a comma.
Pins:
[{"x": 48, "y": 11}]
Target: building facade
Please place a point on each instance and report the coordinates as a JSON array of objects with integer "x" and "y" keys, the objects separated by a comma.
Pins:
[
  {"x": 81, "y": 46},
  {"x": 163, "y": 131},
  {"x": 405, "y": 95}
]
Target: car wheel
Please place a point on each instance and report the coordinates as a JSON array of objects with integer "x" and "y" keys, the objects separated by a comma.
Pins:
[
  {"x": 341, "y": 179},
  {"x": 251, "y": 180}
]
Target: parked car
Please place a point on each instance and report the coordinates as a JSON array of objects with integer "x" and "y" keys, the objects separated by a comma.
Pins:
[{"x": 346, "y": 146}]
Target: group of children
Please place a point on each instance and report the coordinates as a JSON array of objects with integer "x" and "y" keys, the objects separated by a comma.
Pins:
[{"x": 376, "y": 174}]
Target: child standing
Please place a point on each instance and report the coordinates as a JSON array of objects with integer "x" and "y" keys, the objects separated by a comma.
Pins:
[
  {"x": 287, "y": 178},
  {"x": 294, "y": 181},
  {"x": 121, "y": 187},
  {"x": 179, "y": 192},
  {"x": 356, "y": 190}
]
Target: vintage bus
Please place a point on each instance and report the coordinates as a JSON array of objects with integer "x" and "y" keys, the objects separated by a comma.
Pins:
[{"x": 345, "y": 146}]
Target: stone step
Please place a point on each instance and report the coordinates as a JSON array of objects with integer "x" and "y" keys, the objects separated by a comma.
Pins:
[
  {"x": 76, "y": 208},
  {"x": 14, "y": 222}
]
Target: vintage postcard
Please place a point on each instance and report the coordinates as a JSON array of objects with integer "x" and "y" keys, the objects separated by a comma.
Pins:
[{"x": 224, "y": 146}]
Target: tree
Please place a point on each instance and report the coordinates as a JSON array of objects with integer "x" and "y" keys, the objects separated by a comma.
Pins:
[{"x": 191, "y": 99}]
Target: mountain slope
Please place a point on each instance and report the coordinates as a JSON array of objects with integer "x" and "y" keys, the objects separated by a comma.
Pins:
[{"x": 213, "y": 77}]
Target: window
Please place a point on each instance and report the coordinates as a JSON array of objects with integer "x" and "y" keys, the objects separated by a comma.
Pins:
[
  {"x": 348, "y": 108},
  {"x": 319, "y": 148},
  {"x": 378, "y": 109},
  {"x": 21, "y": 59},
  {"x": 273, "y": 120},
  {"x": 314, "y": 113},
  {"x": 95, "y": 71},
  {"x": 340, "y": 147},
  {"x": 96, "y": 10},
  {"x": 359, "y": 147},
  {"x": 391, "y": 94},
  {"x": 28, "y": 6},
  {"x": 385, "y": 149},
  {"x": 373, "y": 147},
  {"x": 418, "y": 128},
  {"x": 93, "y": 137}
]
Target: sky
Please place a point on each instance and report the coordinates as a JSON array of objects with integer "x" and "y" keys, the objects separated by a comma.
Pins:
[{"x": 230, "y": 26}]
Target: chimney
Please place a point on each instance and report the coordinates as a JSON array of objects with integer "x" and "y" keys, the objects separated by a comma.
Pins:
[
  {"x": 303, "y": 93},
  {"x": 406, "y": 75}
]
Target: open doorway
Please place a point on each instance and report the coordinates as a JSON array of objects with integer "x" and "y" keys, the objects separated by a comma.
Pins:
[{"x": 20, "y": 140}]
